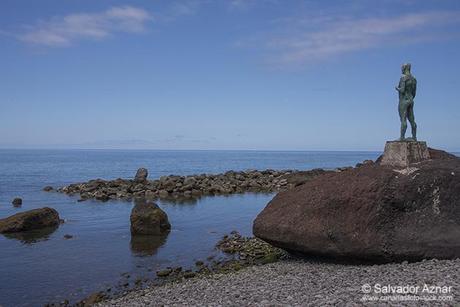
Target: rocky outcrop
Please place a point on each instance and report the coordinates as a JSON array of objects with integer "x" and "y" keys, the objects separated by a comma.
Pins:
[
  {"x": 141, "y": 175},
  {"x": 148, "y": 219},
  {"x": 191, "y": 187},
  {"x": 373, "y": 212},
  {"x": 30, "y": 220}
]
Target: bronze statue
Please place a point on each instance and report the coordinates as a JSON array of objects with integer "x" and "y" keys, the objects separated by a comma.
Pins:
[{"x": 406, "y": 89}]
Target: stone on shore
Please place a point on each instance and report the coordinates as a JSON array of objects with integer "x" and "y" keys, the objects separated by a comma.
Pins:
[
  {"x": 141, "y": 175},
  {"x": 17, "y": 202},
  {"x": 404, "y": 153},
  {"x": 375, "y": 212},
  {"x": 30, "y": 220},
  {"x": 148, "y": 219}
]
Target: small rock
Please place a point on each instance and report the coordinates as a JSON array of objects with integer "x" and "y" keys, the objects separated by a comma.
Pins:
[
  {"x": 141, "y": 175},
  {"x": 189, "y": 274},
  {"x": 67, "y": 236},
  {"x": 17, "y": 202},
  {"x": 164, "y": 273},
  {"x": 48, "y": 188}
]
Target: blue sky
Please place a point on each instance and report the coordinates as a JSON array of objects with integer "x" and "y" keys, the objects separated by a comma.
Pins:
[{"x": 235, "y": 74}]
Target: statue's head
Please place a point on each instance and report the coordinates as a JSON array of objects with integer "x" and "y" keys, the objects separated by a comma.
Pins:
[{"x": 405, "y": 68}]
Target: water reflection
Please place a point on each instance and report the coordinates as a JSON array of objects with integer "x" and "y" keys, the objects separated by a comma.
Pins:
[
  {"x": 32, "y": 236},
  {"x": 147, "y": 245}
]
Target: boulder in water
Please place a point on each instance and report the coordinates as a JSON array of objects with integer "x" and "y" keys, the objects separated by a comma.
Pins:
[
  {"x": 148, "y": 219},
  {"x": 30, "y": 220}
]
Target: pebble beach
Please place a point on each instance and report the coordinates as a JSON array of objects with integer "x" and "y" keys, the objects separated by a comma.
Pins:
[{"x": 295, "y": 282}]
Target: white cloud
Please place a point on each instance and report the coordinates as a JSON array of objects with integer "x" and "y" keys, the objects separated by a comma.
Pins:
[
  {"x": 63, "y": 31},
  {"x": 331, "y": 37}
]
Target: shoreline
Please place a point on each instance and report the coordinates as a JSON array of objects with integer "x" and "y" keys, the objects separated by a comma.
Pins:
[{"x": 296, "y": 282}]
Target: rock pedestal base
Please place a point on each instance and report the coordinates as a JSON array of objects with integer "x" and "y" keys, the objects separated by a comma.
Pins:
[{"x": 404, "y": 153}]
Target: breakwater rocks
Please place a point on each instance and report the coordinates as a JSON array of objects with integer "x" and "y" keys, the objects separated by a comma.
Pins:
[{"x": 190, "y": 187}]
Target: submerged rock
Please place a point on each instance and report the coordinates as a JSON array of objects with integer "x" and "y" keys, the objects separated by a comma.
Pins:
[
  {"x": 48, "y": 188},
  {"x": 30, "y": 220},
  {"x": 148, "y": 219},
  {"x": 373, "y": 212}
]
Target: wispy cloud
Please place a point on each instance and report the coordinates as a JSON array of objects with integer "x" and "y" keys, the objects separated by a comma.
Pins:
[
  {"x": 247, "y": 4},
  {"x": 66, "y": 30},
  {"x": 316, "y": 39}
]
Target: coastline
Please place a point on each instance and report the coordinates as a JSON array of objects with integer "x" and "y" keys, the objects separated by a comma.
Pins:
[{"x": 302, "y": 282}]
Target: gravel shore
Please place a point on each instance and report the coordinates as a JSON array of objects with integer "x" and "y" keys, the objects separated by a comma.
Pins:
[{"x": 306, "y": 283}]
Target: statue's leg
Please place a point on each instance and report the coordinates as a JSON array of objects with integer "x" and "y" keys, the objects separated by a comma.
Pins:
[
  {"x": 411, "y": 117},
  {"x": 403, "y": 117}
]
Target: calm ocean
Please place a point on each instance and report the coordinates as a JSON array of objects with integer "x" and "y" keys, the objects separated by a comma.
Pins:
[{"x": 50, "y": 269}]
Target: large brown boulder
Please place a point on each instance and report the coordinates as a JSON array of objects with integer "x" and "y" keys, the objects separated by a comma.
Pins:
[
  {"x": 30, "y": 220},
  {"x": 373, "y": 212},
  {"x": 148, "y": 219}
]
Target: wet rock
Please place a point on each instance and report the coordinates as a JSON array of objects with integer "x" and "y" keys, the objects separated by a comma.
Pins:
[
  {"x": 150, "y": 195},
  {"x": 30, "y": 220},
  {"x": 17, "y": 202},
  {"x": 148, "y": 219},
  {"x": 67, "y": 236},
  {"x": 377, "y": 213},
  {"x": 249, "y": 250},
  {"x": 164, "y": 273},
  {"x": 92, "y": 299},
  {"x": 189, "y": 274},
  {"x": 48, "y": 188},
  {"x": 163, "y": 193}
]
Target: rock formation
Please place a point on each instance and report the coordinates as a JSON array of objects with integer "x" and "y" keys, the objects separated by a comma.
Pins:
[
  {"x": 141, "y": 175},
  {"x": 30, "y": 220},
  {"x": 191, "y": 187},
  {"x": 373, "y": 212},
  {"x": 148, "y": 219}
]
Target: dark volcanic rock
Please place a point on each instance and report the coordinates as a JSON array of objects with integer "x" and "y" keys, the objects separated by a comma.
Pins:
[
  {"x": 17, "y": 202},
  {"x": 372, "y": 213},
  {"x": 141, "y": 175},
  {"x": 190, "y": 188},
  {"x": 30, "y": 220},
  {"x": 148, "y": 219}
]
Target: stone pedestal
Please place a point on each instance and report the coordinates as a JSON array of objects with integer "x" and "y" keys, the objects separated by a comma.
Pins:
[{"x": 404, "y": 153}]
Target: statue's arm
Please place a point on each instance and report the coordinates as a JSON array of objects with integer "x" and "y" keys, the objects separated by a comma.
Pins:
[
  {"x": 415, "y": 87},
  {"x": 402, "y": 85}
]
